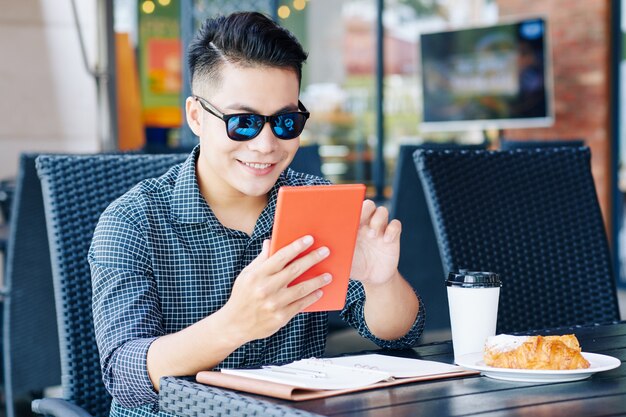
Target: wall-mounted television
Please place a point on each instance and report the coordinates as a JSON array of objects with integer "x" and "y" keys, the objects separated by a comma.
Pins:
[{"x": 487, "y": 77}]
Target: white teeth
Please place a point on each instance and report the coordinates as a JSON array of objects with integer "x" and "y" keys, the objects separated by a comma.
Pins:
[{"x": 257, "y": 166}]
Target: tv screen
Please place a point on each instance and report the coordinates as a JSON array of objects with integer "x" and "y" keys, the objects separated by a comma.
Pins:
[{"x": 487, "y": 77}]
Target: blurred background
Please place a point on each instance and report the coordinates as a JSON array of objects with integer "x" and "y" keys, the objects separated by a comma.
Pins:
[{"x": 103, "y": 75}]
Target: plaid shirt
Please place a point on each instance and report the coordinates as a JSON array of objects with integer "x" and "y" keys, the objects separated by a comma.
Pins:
[{"x": 161, "y": 261}]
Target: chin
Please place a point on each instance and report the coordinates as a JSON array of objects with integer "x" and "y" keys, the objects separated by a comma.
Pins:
[
  {"x": 256, "y": 192},
  {"x": 257, "y": 189}
]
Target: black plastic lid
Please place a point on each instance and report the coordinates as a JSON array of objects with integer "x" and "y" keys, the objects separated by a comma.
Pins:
[{"x": 473, "y": 279}]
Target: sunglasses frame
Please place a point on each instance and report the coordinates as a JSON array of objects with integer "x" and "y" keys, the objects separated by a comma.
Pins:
[{"x": 209, "y": 108}]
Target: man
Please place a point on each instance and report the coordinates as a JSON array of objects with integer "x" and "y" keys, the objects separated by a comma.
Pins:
[{"x": 182, "y": 278}]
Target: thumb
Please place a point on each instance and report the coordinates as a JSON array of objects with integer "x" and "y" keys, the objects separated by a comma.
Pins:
[
  {"x": 264, "y": 254},
  {"x": 265, "y": 250}
]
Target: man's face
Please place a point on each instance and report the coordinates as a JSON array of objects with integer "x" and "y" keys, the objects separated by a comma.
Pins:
[{"x": 234, "y": 169}]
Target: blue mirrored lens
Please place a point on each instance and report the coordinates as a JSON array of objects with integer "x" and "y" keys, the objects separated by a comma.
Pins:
[
  {"x": 244, "y": 127},
  {"x": 288, "y": 125}
]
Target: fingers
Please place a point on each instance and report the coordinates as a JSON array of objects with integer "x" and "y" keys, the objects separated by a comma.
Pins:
[
  {"x": 393, "y": 231},
  {"x": 367, "y": 209},
  {"x": 288, "y": 312},
  {"x": 301, "y": 265},
  {"x": 282, "y": 267},
  {"x": 378, "y": 222},
  {"x": 262, "y": 257},
  {"x": 303, "y": 303},
  {"x": 265, "y": 265},
  {"x": 298, "y": 296},
  {"x": 302, "y": 290},
  {"x": 288, "y": 253},
  {"x": 288, "y": 302}
]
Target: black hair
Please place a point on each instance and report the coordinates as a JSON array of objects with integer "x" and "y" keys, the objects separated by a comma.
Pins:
[{"x": 242, "y": 38}]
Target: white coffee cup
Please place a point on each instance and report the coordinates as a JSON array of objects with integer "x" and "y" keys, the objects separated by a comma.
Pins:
[{"x": 473, "y": 302}]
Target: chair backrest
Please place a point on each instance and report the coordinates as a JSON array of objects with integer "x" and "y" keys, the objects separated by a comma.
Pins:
[
  {"x": 76, "y": 190},
  {"x": 510, "y": 144},
  {"x": 533, "y": 217},
  {"x": 420, "y": 263},
  {"x": 308, "y": 160},
  {"x": 29, "y": 334},
  {"x": 7, "y": 189}
]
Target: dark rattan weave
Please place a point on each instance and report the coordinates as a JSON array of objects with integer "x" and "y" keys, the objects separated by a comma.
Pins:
[
  {"x": 509, "y": 145},
  {"x": 30, "y": 340},
  {"x": 76, "y": 191},
  {"x": 533, "y": 217},
  {"x": 190, "y": 399}
]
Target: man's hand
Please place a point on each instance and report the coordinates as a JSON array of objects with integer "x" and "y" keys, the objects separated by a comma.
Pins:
[
  {"x": 262, "y": 302},
  {"x": 377, "y": 248}
]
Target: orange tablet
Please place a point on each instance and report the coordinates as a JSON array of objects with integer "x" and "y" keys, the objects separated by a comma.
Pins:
[{"x": 331, "y": 214}]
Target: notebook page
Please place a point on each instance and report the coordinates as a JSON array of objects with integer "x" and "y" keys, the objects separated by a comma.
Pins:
[
  {"x": 396, "y": 366},
  {"x": 317, "y": 374}
]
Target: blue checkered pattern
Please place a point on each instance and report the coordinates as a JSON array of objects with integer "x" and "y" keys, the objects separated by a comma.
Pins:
[{"x": 161, "y": 261}]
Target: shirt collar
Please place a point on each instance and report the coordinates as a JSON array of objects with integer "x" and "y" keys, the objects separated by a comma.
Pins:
[{"x": 188, "y": 205}]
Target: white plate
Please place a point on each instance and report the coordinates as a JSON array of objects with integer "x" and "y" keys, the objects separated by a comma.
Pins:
[{"x": 598, "y": 363}]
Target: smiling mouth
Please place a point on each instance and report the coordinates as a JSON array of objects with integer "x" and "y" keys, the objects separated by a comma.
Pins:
[{"x": 256, "y": 165}]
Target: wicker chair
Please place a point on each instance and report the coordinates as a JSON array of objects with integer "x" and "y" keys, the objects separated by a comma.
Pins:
[
  {"x": 511, "y": 144},
  {"x": 76, "y": 190},
  {"x": 532, "y": 216},
  {"x": 30, "y": 342}
]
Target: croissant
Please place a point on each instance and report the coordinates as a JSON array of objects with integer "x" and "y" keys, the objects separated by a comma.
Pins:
[{"x": 534, "y": 352}]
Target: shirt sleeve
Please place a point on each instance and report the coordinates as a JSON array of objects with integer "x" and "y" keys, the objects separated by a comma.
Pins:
[
  {"x": 126, "y": 308},
  {"x": 353, "y": 314}
]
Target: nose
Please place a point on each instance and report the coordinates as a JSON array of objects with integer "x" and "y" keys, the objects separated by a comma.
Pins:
[{"x": 265, "y": 142}]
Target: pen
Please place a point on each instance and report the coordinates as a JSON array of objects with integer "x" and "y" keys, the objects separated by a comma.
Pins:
[{"x": 296, "y": 371}]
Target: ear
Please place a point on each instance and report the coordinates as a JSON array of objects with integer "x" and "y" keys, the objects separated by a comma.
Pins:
[{"x": 193, "y": 112}]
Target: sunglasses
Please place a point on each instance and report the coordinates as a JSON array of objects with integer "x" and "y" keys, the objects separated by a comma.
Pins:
[{"x": 246, "y": 126}]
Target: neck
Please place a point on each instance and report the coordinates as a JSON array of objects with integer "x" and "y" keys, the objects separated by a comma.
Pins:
[{"x": 232, "y": 208}]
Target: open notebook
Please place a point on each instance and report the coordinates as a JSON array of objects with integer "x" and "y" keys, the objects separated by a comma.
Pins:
[{"x": 317, "y": 378}]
